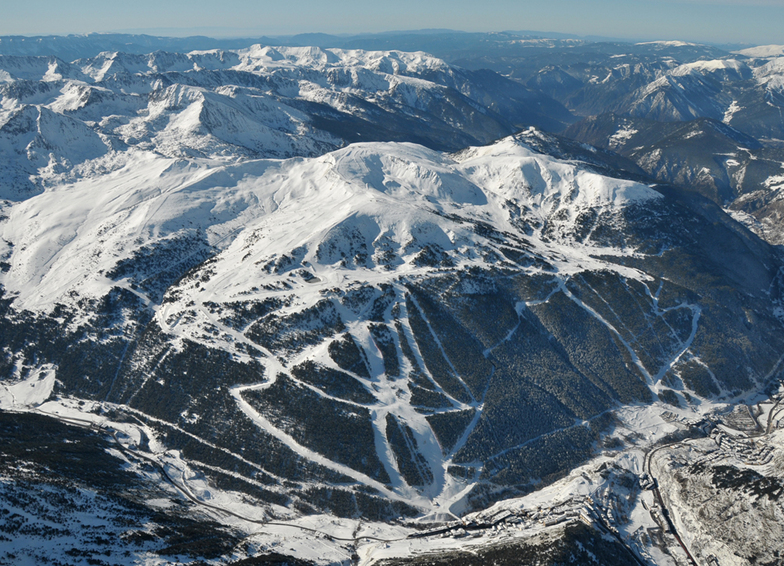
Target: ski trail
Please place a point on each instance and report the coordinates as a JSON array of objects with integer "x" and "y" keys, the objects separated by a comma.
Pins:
[
  {"x": 635, "y": 358},
  {"x": 657, "y": 314},
  {"x": 620, "y": 320},
  {"x": 310, "y": 455},
  {"x": 519, "y": 308},
  {"x": 202, "y": 441},
  {"x": 775, "y": 368},
  {"x": 651, "y": 380},
  {"x": 527, "y": 442},
  {"x": 660, "y": 312},
  {"x": 696, "y": 313},
  {"x": 443, "y": 352},
  {"x": 148, "y": 375},
  {"x": 474, "y": 422},
  {"x": 119, "y": 366},
  {"x": 394, "y": 400},
  {"x": 508, "y": 336},
  {"x": 409, "y": 336}
]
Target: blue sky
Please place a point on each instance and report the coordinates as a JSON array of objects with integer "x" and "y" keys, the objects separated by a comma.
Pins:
[{"x": 718, "y": 21}]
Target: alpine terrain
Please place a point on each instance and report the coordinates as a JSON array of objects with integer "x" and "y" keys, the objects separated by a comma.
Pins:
[{"x": 329, "y": 305}]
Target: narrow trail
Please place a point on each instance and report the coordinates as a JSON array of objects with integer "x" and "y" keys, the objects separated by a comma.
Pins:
[
  {"x": 306, "y": 453},
  {"x": 186, "y": 492}
]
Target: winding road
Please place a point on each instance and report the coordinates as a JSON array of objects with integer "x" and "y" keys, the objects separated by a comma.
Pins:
[
  {"x": 660, "y": 500},
  {"x": 657, "y": 493},
  {"x": 183, "y": 489}
]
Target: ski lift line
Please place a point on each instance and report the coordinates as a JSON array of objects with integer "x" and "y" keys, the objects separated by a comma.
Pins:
[
  {"x": 214, "y": 247},
  {"x": 130, "y": 342},
  {"x": 443, "y": 352},
  {"x": 419, "y": 358},
  {"x": 461, "y": 442},
  {"x": 635, "y": 358},
  {"x": 131, "y": 410},
  {"x": 119, "y": 366},
  {"x": 307, "y": 453},
  {"x": 527, "y": 442}
]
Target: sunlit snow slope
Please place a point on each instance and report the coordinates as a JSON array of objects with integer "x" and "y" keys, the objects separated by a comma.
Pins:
[
  {"x": 384, "y": 330},
  {"x": 62, "y": 121}
]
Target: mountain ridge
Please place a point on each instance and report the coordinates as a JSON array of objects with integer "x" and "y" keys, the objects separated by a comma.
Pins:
[
  {"x": 391, "y": 228},
  {"x": 331, "y": 297},
  {"x": 258, "y": 102}
]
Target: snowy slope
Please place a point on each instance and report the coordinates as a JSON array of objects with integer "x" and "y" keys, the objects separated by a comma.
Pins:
[
  {"x": 724, "y": 69},
  {"x": 763, "y": 51},
  {"x": 368, "y": 213},
  {"x": 383, "y": 331},
  {"x": 255, "y": 102},
  {"x": 396, "y": 196},
  {"x": 317, "y": 262},
  {"x": 309, "y": 339}
]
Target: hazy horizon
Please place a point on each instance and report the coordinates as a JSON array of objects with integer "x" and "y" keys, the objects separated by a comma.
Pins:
[{"x": 753, "y": 22}]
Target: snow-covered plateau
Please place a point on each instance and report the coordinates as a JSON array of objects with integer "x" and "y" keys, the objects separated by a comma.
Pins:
[{"x": 279, "y": 346}]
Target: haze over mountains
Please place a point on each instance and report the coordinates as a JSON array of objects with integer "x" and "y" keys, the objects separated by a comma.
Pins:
[{"x": 308, "y": 292}]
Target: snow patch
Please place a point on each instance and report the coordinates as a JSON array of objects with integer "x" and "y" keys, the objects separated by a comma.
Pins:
[
  {"x": 619, "y": 138},
  {"x": 29, "y": 392},
  {"x": 732, "y": 66},
  {"x": 669, "y": 43},
  {"x": 762, "y": 51},
  {"x": 731, "y": 111},
  {"x": 774, "y": 182}
]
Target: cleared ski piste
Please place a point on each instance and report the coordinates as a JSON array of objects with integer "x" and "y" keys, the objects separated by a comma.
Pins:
[{"x": 327, "y": 539}]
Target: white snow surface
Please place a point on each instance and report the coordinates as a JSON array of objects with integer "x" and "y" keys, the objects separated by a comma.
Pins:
[
  {"x": 771, "y": 74},
  {"x": 731, "y": 111},
  {"x": 668, "y": 43},
  {"x": 728, "y": 67},
  {"x": 28, "y": 392},
  {"x": 762, "y": 51},
  {"x": 379, "y": 197},
  {"x": 67, "y": 238},
  {"x": 620, "y": 137},
  {"x": 326, "y": 539},
  {"x": 63, "y": 121},
  {"x": 103, "y": 202},
  {"x": 391, "y": 201}
]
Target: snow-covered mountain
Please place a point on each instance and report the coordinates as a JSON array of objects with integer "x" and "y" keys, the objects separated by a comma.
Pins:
[
  {"x": 256, "y": 102},
  {"x": 661, "y": 81},
  {"x": 212, "y": 266},
  {"x": 423, "y": 304},
  {"x": 703, "y": 155},
  {"x": 744, "y": 94}
]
